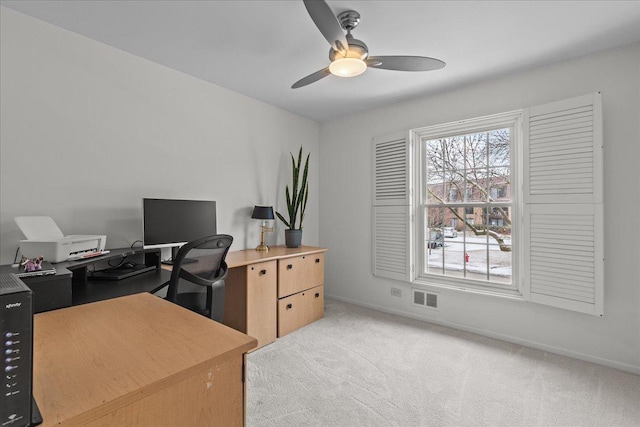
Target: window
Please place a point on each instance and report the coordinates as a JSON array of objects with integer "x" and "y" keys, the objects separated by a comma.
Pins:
[
  {"x": 453, "y": 192},
  {"x": 524, "y": 192},
  {"x": 476, "y": 162},
  {"x": 499, "y": 190}
]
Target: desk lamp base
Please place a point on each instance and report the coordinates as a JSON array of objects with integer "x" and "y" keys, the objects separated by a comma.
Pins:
[{"x": 262, "y": 247}]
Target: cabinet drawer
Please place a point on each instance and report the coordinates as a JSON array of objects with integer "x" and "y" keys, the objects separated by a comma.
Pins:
[
  {"x": 300, "y": 309},
  {"x": 300, "y": 273}
]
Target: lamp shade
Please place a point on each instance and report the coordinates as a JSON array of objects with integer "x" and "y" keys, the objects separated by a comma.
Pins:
[{"x": 262, "y": 212}]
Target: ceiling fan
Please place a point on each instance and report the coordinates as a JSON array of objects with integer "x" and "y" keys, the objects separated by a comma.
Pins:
[{"x": 350, "y": 56}]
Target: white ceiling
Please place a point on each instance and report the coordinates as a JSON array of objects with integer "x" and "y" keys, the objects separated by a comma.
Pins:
[{"x": 260, "y": 48}]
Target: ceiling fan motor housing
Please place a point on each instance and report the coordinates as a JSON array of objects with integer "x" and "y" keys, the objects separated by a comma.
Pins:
[
  {"x": 357, "y": 49},
  {"x": 349, "y": 20}
]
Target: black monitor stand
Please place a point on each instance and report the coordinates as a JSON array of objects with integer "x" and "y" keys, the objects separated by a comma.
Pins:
[{"x": 174, "y": 255}]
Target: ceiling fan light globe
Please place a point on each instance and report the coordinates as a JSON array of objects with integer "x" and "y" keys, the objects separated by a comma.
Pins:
[{"x": 347, "y": 67}]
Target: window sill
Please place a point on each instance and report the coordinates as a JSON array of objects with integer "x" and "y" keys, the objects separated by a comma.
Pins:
[{"x": 487, "y": 290}]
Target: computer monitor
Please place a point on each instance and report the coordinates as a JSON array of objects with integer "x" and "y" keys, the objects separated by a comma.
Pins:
[{"x": 172, "y": 223}]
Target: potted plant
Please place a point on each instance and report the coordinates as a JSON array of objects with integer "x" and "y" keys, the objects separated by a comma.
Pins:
[{"x": 296, "y": 201}]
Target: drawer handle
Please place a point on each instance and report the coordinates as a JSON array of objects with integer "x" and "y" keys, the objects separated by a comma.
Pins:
[
  {"x": 289, "y": 306},
  {"x": 289, "y": 266},
  {"x": 263, "y": 272},
  {"x": 317, "y": 260},
  {"x": 317, "y": 294}
]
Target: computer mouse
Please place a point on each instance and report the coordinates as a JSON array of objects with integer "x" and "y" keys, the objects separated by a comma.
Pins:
[{"x": 128, "y": 265}]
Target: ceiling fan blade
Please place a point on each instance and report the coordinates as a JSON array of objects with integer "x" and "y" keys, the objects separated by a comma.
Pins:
[
  {"x": 328, "y": 24},
  {"x": 311, "y": 78},
  {"x": 405, "y": 63},
  {"x": 372, "y": 62}
]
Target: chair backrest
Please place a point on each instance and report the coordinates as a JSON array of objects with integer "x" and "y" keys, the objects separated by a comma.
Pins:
[{"x": 201, "y": 262}]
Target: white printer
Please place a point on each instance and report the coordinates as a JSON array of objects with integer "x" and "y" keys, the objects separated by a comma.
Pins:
[{"x": 45, "y": 238}]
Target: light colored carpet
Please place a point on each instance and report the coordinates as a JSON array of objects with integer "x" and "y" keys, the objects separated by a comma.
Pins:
[{"x": 361, "y": 367}]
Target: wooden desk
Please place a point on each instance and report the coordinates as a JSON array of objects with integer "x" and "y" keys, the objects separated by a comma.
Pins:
[
  {"x": 137, "y": 360},
  {"x": 270, "y": 294}
]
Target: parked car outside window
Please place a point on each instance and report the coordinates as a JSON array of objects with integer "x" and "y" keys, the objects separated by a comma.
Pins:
[
  {"x": 435, "y": 238},
  {"x": 450, "y": 232}
]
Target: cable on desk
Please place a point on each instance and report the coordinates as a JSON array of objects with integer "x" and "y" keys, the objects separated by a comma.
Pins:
[{"x": 121, "y": 262}]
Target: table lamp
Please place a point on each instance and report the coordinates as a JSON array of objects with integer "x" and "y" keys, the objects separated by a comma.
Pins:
[{"x": 264, "y": 213}]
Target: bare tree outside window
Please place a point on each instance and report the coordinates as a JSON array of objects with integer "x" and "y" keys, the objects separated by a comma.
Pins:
[{"x": 467, "y": 185}]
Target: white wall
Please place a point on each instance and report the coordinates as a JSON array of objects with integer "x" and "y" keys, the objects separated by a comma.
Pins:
[
  {"x": 345, "y": 213},
  {"x": 87, "y": 131}
]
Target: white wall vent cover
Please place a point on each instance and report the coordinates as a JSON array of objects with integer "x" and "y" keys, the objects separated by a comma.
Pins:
[{"x": 425, "y": 299}]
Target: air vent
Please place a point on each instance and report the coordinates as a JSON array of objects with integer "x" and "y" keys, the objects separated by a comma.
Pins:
[
  {"x": 432, "y": 301},
  {"x": 425, "y": 299}
]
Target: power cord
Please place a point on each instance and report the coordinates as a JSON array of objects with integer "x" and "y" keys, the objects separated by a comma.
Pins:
[{"x": 122, "y": 262}]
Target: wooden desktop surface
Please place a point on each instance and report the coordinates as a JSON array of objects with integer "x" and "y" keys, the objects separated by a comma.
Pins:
[
  {"x": 251, "y": 256},
  {"x": 137, "y": 360}
]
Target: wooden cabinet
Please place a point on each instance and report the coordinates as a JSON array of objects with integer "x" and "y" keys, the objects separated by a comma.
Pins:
[
  {"x": 250, "y": 298},
  {"x": 261, "y": 285}
]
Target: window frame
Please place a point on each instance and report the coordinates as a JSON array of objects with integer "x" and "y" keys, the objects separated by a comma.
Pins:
[
  {"x": 550, "y": 265},
  {"x": 512, "y": 120}
]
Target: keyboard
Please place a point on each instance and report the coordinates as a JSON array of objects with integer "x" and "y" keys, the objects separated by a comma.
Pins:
[{"x": 86, "y": 255}]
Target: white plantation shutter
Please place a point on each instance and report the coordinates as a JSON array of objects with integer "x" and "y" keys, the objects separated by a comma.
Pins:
[
  {"x": 391, "y": 171},
  {"x": 392, "y": 236},
  {"x": 391, "y": 248},
  {"x": 563, "y": 211}
]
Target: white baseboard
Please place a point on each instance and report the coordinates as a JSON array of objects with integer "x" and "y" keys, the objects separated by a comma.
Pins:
[{"x": 508, "y": 338}]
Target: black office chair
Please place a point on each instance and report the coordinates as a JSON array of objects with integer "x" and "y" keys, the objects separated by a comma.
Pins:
[{"x": 201, "y": 262}]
